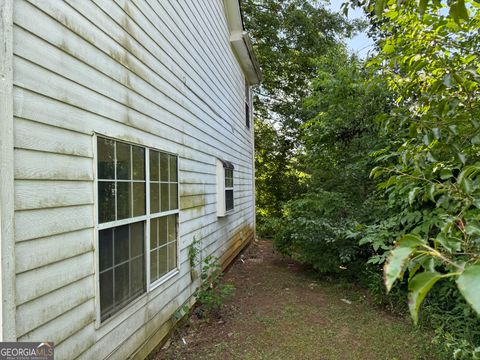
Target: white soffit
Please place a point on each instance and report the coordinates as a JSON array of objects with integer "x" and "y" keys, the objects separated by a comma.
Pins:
[{"x": 241, "y": 44}]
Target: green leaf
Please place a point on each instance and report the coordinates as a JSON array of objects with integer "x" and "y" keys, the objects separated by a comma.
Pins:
[
  {"x": 388, "y": 48},
  {"x": 473, "y": 228},
  {"x": 447, "y": 80},
  {"x": 376, "y": 172},
  {"x": 468, "y": 171},
  {"x": 453, "y": 129},
  {"x": 462, "y": 10},
  {"x": 432, "y": 191},
  {"x": 422, "y": 6},
  {"x": 475, "y": 140},
  {"x": 411, "y": 240},
  {"x": 461, "y": 157},
  {"x": 397, "y": 260},
  {"x": 379, "y": 6},
  {"x": 446, "y": 174},
  {"x": 450, "y": 244},
  {"x": 395, "y": 265},
  {"x": 458, "y": 79},
  {"x": 469, "y": 285},
  {"x": 466, "y": 185},
  {"x": 418, "y": 288},
  {"x": 426, "y": 139},
  {"x": 412, "y": 194},
  {"x": 415, "y": 265}
]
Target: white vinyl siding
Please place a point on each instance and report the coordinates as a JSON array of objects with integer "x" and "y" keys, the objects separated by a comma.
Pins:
[{"x": 157, "y": 74}]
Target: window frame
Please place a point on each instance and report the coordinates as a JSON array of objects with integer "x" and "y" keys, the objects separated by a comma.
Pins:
[
  {"x": 229, "y": 188},
  {"x": 248, "y": 105},
  {"x": 222, "y": 167},
  {"x": 149, "y": 286}
]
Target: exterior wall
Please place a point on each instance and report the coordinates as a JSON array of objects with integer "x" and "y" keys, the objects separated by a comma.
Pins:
[
  {"x": 156, "y": 73},
  {"x": 7, "y": 242}
]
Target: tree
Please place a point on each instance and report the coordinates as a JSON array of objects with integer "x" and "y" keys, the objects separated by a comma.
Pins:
[
  {"x": 288, "y": 36},
  {"x": 429, "y": 54},
  {"x": 341, "y": 133}
]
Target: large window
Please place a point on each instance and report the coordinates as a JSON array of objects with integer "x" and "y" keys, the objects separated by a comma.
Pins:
[
  {"x": 129, "y": 203},
  {"x": 225, "y": 196}
]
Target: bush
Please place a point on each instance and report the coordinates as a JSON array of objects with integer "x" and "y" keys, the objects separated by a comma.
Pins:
[
  {"x": 457, "y": 324},
  {"x": 313, "y": 232},
  {"x": 267, "y": 227},
  {"x": 212, "y": 292}
]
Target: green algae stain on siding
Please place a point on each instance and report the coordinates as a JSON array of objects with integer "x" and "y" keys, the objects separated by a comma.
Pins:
[{"x": 196, "y": 202}]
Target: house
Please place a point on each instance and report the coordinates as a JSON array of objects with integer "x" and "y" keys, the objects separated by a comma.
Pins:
[{"x": 125, "y": 134}]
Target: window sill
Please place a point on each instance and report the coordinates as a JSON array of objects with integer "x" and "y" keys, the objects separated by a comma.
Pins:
[
  {"x": 164, "y": 279},
  {"x": 227, "y": 213}
]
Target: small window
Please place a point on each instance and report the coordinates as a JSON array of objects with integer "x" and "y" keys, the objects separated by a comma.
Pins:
[
  {"x": 123, "y": 217},
  {"x": 228, "y": 189},
  {"x": 225, "y": 202},
  {"x": 247, "y": 105}
]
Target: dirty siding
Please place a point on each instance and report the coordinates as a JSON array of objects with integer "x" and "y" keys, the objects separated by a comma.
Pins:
[{"x": 157, "y": 73}]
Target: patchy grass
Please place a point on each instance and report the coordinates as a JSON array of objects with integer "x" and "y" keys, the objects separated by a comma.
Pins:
[{"x": 279, "y": 312}]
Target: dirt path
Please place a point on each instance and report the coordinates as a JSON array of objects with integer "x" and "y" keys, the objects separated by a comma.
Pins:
[{"x": 279, "y": 312}]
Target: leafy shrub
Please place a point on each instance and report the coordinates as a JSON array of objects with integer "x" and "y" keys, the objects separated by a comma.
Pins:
[
  {"x": 457, "y": 324},
  {"x": 212, "y": 292},
  {"x": 267, "y": 227},
  {"x": 193, "y": 252},
  {"x": 313, "y": 232}
]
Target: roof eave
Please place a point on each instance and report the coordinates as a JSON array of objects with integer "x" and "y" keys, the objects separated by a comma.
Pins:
[{"x": 241, "y": 43}]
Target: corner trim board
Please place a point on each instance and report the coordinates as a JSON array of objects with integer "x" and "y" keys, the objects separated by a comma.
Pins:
[{"x": 7, "y": 238}]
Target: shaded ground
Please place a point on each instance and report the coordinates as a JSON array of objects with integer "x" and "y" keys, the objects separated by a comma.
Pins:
[{"x": 279, "y": 312}]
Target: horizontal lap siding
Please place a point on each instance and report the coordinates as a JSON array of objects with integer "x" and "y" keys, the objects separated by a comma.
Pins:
[{"x": 157, "y": 73}]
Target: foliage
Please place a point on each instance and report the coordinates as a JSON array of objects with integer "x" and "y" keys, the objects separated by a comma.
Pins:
[
  {"x": 181, "y": 313},
  {"x": 268, "y": 226},
  {"x": 288, "y": 36},
  {"x": 318, "y": 227},
  {"x": 341, "y": 130},
  {"x": 413, "y": 113},
  {"x": 194, "y": 252},
  {"x": 212, "y": 292},
  {"x": 429, "y": 171},
  {"x": 429, "y": 63},
  {"x": 312, "y": 232},
  {"x": 278, "y": 178},
  {"x": 457, "y": 9},
  {"x": 457, "y": 326}
]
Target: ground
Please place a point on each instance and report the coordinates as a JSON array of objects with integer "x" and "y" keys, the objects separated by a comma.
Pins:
[{"x": 280, "y": 311}]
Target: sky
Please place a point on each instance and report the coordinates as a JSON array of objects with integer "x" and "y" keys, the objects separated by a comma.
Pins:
[{"x": 359, "y": 44}]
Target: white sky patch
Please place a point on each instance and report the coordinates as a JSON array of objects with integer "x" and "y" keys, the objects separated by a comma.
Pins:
[{"x": 359, "y": 44}]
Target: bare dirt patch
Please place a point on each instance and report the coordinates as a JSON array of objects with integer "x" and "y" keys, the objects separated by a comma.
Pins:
[{"x": 280, "y": 312}]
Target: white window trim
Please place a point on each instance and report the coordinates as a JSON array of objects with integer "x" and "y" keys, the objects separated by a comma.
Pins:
[
  {"x": 248, "y": 102},
  {"x": 125, "y": 311},
  {"x": 221, "y": 189}
]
